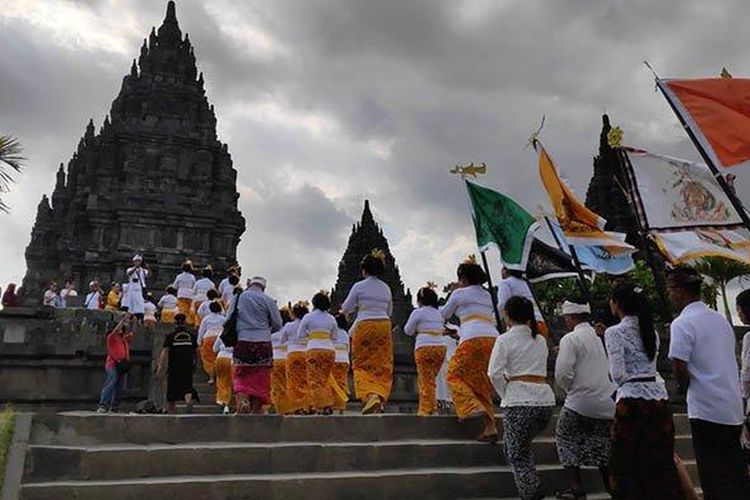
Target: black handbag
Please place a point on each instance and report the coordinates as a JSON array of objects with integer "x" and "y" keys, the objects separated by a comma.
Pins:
[
  {"x": 229, "y": 332},
  {"x": 123, "y": 366}
]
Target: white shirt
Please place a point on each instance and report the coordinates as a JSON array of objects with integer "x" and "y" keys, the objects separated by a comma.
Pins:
[
  {"x": 136, "y": 278},
  {"x": 289, "y": 337},
  {"x": 211, "y": 326},
  {"x": 516, "y": 353},
  {"x": 50, "y": 298},
  {"x": 224, "y": 285},
  {"x": 745, "y": 374},
  {"x": 205, "y": 309},
  {"x": 581, "y": 371},
  {"x": 315, "y": 324},
  {"x": 473, "y": 306},
  {"x": 201, "y": 288},
  {"x": 222, "y": 350},
  {"x": 427, "y": 324},
  {"x": 167, "y": 301},
  {"x": 516, "y": 287},
  {"x": 370, "y": 298},
  {"x": 149, "y": 310},
  {"x": 92, "y": 300},
  {"x": 628, "y": 361},
  {"x": 278, "y": 344},
  {"x": 227, "y": 293},
  {"x": 341, "y": 344},
  {"x": 65, "y": 293},
  {"x": 704, "y": 339},
  {"x": 184, "y": 283}
]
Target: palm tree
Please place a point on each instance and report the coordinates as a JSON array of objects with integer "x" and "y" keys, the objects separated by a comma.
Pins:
[
  {"x": 721, "y": 271},
  {"x": 11, "y": 160}
]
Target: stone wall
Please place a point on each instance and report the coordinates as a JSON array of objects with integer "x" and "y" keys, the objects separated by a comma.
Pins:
[{"x": 56, "y": 356}]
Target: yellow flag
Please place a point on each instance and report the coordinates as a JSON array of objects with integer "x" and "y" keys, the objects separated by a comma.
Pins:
[{"x": 580, "y": 225}]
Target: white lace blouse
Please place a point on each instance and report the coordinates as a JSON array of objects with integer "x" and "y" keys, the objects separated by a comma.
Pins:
[{"x": 628, "y": 361}]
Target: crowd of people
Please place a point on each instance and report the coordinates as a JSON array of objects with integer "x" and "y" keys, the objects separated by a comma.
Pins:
[{"x": 617, "y": 417}]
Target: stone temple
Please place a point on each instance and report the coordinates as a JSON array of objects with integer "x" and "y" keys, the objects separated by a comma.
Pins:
[{"x": 155, "y": 180}]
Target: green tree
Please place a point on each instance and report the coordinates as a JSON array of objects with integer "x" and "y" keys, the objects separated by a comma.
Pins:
[
  {"x": 720, "y": 272},
  {"x": 11, "y": 161}
]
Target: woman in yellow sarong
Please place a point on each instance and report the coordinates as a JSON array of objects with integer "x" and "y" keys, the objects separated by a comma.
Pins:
[
  {"x": 319, "y": 328},
  {"x": 296, "y": 362},
  {"x": 223, "y": 371},
  {"x": 113, "y": 298},
  {"x": 210, "y": 328},
  {"x": 467, "y": 372},
  {"x": 200, "y": 292},
  {"x": 372, "y": 344},
  {"x": 184, "y": 283},
  {"x": 279, "y": 398},
  {"x": 429, "y": 350},
  {"x": 168, "y": 305},
  {"x": 341, "y": 368}
]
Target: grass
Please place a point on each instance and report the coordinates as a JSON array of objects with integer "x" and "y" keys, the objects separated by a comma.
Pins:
[{"x": 7, "y": 425}]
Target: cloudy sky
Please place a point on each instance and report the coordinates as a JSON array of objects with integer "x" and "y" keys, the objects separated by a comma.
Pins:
[{"x": 327, "y": 102}]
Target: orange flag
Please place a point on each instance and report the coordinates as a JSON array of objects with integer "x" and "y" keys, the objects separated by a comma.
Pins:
[
  {"x": 717, "y": 110},
  {"x": 580, "y": 225}
]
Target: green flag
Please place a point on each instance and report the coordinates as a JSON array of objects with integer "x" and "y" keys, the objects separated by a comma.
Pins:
[{"x": 501, "y": 221}]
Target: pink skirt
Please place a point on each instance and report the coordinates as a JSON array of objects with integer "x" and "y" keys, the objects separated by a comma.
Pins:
[{"x": 253, "y": 381}]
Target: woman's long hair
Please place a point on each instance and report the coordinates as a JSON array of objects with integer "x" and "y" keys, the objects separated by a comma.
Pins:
[
  {"x": 633, "y": 302},
  {"x": 521, "y": 310}
]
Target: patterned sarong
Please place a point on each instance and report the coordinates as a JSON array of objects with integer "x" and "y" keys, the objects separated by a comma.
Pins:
[
  {"x": 341, "y": 375},
  {"x": 429, "y": 359},
  {"x": 252, "y": 369},
  {"x": 372, "y": 359},
  {"x": 319, "y": 372},
  {"x": 467, "y": 377},
  {"x": 185, "y": 306},
  {"x": 278, "y": 387},
  {"x": 167, "y": 315},
  {"x": 642, "y": 457},
  {"x": 581, "y": 440},
  {"x": 296, "y": 381},
  {"x": 223, "y": 370},
  {"x": 208, "y": 356},
  {"x": 196, "y": 319}
]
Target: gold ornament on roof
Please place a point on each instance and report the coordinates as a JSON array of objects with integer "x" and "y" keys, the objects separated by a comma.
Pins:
[
  {"x": 614, "y": 137},
  {"x": 725, "y": 74},
  {"x": 378, "y": 254},
  {"x": 471, "y": 259},
  {"x": 324, "y": 292},
  {"x": 469, "y": 170},
  {"x": 302, "y": 303},
  {"x": 432, "y": 285}
]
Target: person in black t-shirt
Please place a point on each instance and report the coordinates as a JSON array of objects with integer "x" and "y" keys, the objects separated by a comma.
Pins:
[{"x": 178, "y": 358}]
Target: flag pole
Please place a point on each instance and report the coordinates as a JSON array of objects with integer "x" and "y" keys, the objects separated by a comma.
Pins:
[
  {"x": 734, "y": 200},
  {"x": 493, "y": 293},
  {"x": 576, "y": 262}
]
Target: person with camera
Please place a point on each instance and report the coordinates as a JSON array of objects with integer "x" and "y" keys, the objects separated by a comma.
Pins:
[
  {"x": 117, "y": 365},
  {"x": 133, "y": 297}
]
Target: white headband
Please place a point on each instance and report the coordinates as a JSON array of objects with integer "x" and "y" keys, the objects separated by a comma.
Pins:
[{"x": 573, "y": 308}]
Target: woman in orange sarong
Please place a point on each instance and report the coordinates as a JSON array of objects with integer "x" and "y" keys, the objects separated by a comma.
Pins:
[
  {"x": 168, "y": 305},
  {"x": 184, "y": 283},
  {"x": 467, "y": 377},
  {"x": 319, "y": 327},
  {"x": 296, "y": 362},
  {"x": 429, "y": 351},
  {"x": 210, "y": 328},
  {"x": 223, "y": 372},
  {"x": 279, "y": 397},
  {"x": 372, "y": 344},
  {"x": 341, "y": 367}
]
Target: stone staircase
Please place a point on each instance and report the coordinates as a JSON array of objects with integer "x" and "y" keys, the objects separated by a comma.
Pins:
[{"x": 392, "y": 456}]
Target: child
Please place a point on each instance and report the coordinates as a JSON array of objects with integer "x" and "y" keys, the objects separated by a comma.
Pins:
[
  {"x": 178, "y": 357},
  {"x": 223, "y": 373},
  {"x": 211, "y": 327}
]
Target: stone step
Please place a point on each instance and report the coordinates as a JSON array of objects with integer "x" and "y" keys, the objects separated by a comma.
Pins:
[
  {"x": 416, "y": 483},
  {"x": 396, "y": 484},
  {"x": 112, "y": 462},
  {"x": 87, "y": 428}
]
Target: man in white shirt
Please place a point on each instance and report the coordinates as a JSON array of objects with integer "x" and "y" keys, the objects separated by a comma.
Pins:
[
  {"x": 94, "y": 297},
  {"x": 702, "y": 349},
  {"x": 581, "y": 370}
]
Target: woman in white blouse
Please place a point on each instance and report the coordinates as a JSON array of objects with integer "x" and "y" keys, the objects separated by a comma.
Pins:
[
  {"x": 518, "y": 370},
  {"x": 427, "y": 324},
  {"x": 642, "y": 457},
  {"x": 320, "y": 328},
  {"x": 743, "y": 310},
  {"x": 467, "y": 372},
  {"x": 372, "y": 344},
  {"x": 184, "y": 283},
  {"x": 296, "y": 362}
]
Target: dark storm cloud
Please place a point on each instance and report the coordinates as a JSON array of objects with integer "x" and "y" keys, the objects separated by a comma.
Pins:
[{"x": 324, "y": 103}]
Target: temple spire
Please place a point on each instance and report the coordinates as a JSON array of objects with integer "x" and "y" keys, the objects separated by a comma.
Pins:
[
  {"x": 367, "y": 218},
  {"x": 171, "y": 13}
]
